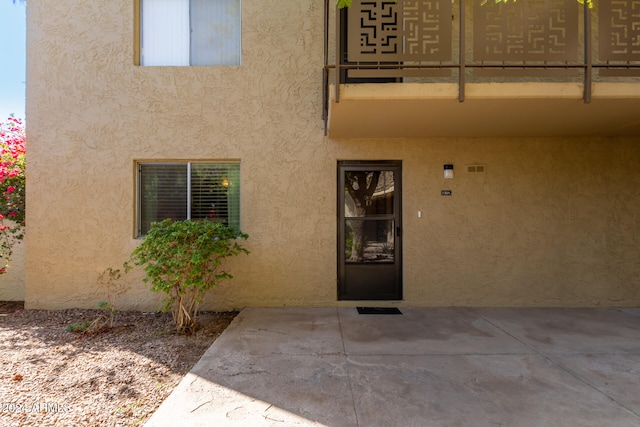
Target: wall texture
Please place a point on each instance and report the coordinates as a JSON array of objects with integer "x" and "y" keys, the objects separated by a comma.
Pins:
[{"x": 552, "y": 221}]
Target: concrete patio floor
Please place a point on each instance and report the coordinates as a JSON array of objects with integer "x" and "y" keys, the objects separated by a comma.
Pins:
[{"x": 427, "y": 367}]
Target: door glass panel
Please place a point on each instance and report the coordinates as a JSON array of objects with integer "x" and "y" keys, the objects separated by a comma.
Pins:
[
  {"x": 369, "y": 241},
  {"x": 368, "y": 193}
]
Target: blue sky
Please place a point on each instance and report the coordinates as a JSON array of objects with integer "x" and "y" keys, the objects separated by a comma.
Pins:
[{"x": 12, "y": 59}]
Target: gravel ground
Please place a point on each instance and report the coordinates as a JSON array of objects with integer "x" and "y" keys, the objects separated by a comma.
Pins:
[{"x": 113, "y": 377}]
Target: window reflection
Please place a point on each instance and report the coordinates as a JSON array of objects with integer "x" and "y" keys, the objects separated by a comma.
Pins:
[
  {"x": 369, "y": 241},
  {"x": 368, "y": 193}
]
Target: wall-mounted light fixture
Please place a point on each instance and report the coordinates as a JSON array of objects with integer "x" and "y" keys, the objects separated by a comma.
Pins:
[{"x": 448, "y": 171}]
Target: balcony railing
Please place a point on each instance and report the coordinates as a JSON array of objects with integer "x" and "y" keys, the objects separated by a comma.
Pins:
[{"x": 467, "y": 41}]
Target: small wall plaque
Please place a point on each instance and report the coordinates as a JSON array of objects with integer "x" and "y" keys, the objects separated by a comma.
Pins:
[{"x": 445, "y": 192}]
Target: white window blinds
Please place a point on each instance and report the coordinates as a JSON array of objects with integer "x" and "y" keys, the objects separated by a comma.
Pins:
[
  {"x": 216, "y": 32},
  {"x": 165, "y": 32},
  {"x": 191, "y": 32}
]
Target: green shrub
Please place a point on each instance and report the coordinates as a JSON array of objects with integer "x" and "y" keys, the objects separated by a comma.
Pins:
[
  {"x": 183, "y": 259},
  {"x": 78, "y": 327}
]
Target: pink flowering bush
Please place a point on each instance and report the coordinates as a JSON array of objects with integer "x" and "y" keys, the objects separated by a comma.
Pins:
[{"x": 12, "y": 187}]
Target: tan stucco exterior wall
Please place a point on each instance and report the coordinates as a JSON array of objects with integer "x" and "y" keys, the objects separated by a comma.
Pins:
[{"x": 552, "y": 221}]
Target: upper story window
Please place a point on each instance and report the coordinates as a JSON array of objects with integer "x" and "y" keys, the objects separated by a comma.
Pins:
[{"x": 190, "y": 32}]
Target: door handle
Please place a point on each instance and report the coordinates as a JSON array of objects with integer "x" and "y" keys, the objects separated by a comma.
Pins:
[{"x": 398, "y": 231}]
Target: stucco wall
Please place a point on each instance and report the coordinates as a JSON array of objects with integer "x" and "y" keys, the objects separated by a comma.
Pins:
[{"x": 551, "y": 222}]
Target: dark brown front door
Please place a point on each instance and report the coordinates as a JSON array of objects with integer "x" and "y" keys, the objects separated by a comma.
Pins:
[{"x": 369, "y": 230}]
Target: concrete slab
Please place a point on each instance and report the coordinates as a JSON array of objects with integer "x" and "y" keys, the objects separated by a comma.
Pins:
[
  {"x": 487, "y": 390},
  {"x": 422, "y": 331},
  {"x": 567, "y": 330},
  {"x": 278, "y": 390},
  {"x": 427, "y": 367},
  {"x": 290, "y": 331},
  {"x": 615, "y": 374}
]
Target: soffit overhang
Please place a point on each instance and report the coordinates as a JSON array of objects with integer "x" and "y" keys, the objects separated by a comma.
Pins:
[{"x": 395, "y": 110}]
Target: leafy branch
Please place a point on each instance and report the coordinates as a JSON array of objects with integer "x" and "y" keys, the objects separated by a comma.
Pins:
[{"x": 183, "y": 259}]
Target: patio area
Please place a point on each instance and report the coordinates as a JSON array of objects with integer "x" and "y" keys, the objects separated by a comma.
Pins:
[{"x": 426, "y": 367}]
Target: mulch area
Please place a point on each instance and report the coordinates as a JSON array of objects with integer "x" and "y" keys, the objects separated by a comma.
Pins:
[{"x": 116, "y": 376}]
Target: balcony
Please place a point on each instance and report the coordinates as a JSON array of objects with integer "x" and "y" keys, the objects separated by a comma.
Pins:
[{"x": 478, "y": 68}]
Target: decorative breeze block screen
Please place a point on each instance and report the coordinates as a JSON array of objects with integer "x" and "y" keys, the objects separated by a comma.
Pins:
[
  {"x": 619, "y": 30},
  {"x": 534, "y": 30},
  {"x": 406, "y": 30}
]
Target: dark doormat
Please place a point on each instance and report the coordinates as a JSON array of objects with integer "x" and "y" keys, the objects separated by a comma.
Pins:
[{"x": 378, "y": 310}]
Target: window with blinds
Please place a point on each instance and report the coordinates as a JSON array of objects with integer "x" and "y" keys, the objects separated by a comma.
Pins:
[
  {"x": 189, "y": 190},
  {"x": 190, "y": 32}
]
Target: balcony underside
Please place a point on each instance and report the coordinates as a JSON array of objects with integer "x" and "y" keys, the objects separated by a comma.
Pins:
[{"x": 393, "y": 110}]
